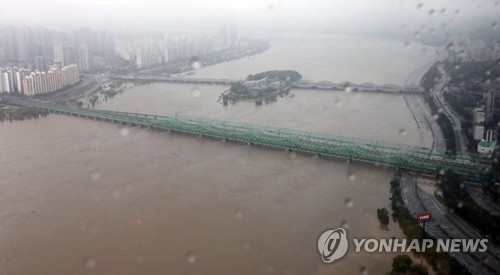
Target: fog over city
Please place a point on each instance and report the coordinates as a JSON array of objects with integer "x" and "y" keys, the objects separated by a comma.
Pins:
[
  {"x": 250, "y": 137},
  {"x": 347, "y": 17}
]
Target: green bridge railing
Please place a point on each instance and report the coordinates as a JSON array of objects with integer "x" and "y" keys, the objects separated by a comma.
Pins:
[{"x": 413, "y": 158}]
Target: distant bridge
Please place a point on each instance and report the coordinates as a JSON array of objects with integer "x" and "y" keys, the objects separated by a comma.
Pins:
[
  {"x": 302, "y": 84},
  {"x": 418, "y": 159}
]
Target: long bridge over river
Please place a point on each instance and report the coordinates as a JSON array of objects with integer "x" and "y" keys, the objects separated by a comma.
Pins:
[
  {"x": 418, "y": 159},
  {"x": 302, "y": 84}
]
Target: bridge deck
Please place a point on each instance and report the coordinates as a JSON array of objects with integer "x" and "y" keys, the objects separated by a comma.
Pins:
[{"x": 413, "y": 158}]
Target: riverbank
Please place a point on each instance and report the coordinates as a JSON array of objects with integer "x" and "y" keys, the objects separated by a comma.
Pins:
[{"x": 11, "y": 113}]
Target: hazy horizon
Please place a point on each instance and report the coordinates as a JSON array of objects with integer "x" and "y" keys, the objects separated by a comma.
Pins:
[{"x": 442, "y": 17}]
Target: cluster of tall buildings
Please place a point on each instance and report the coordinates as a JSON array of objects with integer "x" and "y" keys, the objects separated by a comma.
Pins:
[
  {"x": 37, "y": 48},
  {"x": 23, "y": 81},
  {"x": 473, "y": 51},
  {"x": 148, "y": 51}
]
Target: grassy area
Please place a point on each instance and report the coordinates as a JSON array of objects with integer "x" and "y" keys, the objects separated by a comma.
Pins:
[{"x": 21, "y": 113}]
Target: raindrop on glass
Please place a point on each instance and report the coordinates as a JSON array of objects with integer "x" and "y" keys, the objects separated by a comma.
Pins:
[
  {"x": 195, "y": 63},
  {"x": 124, "y": 132},
  {"x": 338, "y": 102},
  {"x": 406, "y": 44},
  {"x": 89, "y": 263},
  {"x": 420, "y": 6},
  {"x": 487, "y": 72},
  {"x": 416, "y": 35},
  {"x": 431, "y": 12},
  {"x": 364, "y": 271},
  {"x": 344, "y": 224},
  {"x": 196, "y": 92},
  {"x": 349, "y": 203},
  {"x": 347, "y": 89},
  {"x": 139, "y": 259},
  {"x": 494, "y": 25},
  {"x": 238, "y": 215},
  {"x": 190, "y": 258},
  {"x": 95, "y": 175},
  {"x": 402, "y": 132},
  {"x": 93, "y": 229}
]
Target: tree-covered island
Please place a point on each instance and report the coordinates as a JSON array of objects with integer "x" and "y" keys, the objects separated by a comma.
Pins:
[{"x": 265, "y": 86}]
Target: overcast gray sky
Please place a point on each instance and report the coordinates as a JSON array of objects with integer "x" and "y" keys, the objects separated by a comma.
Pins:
[{"x": 331, "y": 15}]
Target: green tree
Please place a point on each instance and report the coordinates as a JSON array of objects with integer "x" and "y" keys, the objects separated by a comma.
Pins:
[
  {"x": 383, "y": 215},
  {"x": 401, "y": 263}
]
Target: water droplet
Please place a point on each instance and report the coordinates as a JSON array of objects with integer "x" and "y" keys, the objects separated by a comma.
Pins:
[
  {"x": 435, "y": 117},
  {"x": 443, "y": 10},
  {"x": 440, "y": 110},
  {"x": 89, "y": 263},
  {"x": 344, "y": 224},
  {"x": 420, "y": 6},
  {"x": 349, "y": 203},
  {"x": 124, "y": 132},
  {"x": 441, "y": 172},
  {"x": 402, "y": 132},
  {"x": 347, "y": 89},
  {"x": 364, "y": 271},
  {"x": 416, "y": 35},
  {"x": 406, "y": 44},
  {"x": 190, "y": 258},
  {"x": 457, "y": 11},
  {"x": 487, "y": 72},
  {"x": 139, "y": 259},
  {"x": 238, "y": 215},
  {"x": 456, "y": 67},
  {"x": 93, "y": 229},
  {"x": 460, "y": 204},
  {"x": 196, "y": 92},
  {"x": 450, "y": 47},
  {"x": 293, "y": 155},
  {"x": 462, "y": 185},
  {"x": 195, "y": 63},
  {"x": 338, "y": 102},
  {"x": 431, "y": 12},
  {"x": 351, "y": 177},
  {"x": 95, "y": 175},
  {"x": 115, "y": 194},
  {"x": 270, "y": 7}
]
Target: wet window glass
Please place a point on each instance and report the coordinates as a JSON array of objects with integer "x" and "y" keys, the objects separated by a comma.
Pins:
[{"x": 249, "y": 137}]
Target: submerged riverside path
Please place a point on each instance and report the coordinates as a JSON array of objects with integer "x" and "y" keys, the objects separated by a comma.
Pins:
[{"x": 413, "y": 158}]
